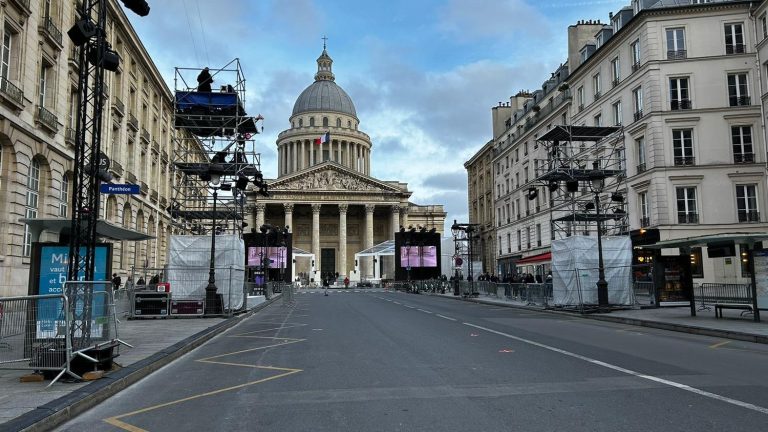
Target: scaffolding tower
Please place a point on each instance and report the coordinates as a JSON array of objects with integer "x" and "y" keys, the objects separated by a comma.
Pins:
[
  {"x": 213, "y": 151},
  {"x": 584, "y": 174}
]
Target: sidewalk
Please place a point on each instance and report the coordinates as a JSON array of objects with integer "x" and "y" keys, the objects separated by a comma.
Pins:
[
  {"x": 156, "y": 342},
  {"x": 732, "y": 326}
]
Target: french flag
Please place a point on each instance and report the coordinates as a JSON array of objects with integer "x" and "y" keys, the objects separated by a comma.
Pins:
[{"x": 323, "y": 139}]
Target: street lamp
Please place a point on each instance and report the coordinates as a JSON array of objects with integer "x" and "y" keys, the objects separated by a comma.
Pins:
[
  {"x": 212, "y": 306},
  {"x": 598, "y": 183}
]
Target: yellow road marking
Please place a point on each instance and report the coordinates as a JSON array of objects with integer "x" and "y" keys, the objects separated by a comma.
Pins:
[
  {"x": 719, "y": 344},
  {"x": 115, "y": 421},
  {"x": 287, "y": 342}
]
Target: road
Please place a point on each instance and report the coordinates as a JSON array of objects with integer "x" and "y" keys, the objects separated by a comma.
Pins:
[{"x": 383, "y": 361}]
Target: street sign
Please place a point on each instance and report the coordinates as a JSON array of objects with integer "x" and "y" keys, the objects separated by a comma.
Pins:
[
  {"x": 459, "y": 261},
  {"x": 120, "y": 189}
]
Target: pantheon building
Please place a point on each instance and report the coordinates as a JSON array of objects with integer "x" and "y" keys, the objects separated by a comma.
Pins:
[{"x": 324, "y": 192}]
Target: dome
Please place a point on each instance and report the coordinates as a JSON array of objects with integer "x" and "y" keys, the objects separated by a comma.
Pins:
[{"x": 324, "y": 95}]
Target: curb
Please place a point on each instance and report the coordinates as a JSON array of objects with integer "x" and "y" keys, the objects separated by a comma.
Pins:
[
  {"x": 65, "y": 408},
  {"x": 682, "y": 328}
]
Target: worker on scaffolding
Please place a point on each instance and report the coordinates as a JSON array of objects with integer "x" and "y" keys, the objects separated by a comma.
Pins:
[{"x": 204, "y": 81}]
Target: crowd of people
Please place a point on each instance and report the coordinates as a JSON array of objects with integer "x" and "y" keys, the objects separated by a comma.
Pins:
[{"x": 511, "y": 278}]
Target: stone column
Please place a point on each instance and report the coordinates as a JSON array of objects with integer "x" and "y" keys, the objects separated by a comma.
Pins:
[
  {"x": 395, "y": 221},
  {"x": 368, "y": 161},
  {"x": 342, "y": 264},
  {"x": 259, "y": 208},
  {"x": 368, "y": 241},
  {"x": 303, "y": 152},
  {"x": 288, "y": 216},
  {"x": 316, "y": 238},
  {"x": 405, "y": 216}
]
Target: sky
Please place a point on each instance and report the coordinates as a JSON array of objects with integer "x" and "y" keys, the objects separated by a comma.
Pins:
[{"x": 423, "y": 74}]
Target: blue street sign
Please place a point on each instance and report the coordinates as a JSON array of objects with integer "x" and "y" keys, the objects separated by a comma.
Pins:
[{"x": 124, "y": 189}]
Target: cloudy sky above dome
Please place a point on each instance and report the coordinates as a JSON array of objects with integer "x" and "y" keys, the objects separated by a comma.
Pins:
[{"x": 423, "y": 75}]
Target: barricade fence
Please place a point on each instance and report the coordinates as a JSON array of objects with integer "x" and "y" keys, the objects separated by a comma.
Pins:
[{"x": 712, "y": 294}]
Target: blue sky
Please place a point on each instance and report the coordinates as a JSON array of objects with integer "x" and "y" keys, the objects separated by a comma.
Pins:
[{"x": 423, "y": 74}]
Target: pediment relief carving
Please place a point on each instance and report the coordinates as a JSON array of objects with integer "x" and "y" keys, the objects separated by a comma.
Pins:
[{"x": 330, "y": 180}]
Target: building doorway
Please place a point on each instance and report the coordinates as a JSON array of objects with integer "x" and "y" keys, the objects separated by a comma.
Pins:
[{"x": 327, "y": 261}]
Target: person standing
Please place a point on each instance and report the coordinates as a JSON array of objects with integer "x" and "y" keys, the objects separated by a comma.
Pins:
[
  {"x": 116, "y": 282},
  {"x": 346, "y": 282},
  {"x": 204, "y": 81}
]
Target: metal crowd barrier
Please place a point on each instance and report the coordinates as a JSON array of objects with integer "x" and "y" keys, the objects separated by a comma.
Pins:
[
  {"x": 644, "y": 292},
  {"x": 710, "y": 294}
]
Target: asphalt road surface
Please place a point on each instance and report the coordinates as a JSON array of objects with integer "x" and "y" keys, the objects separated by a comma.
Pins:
[{"x": 383, "y": 361}]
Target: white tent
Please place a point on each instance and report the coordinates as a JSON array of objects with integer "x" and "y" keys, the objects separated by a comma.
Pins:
[
  {"x": 301, "y": 253},
  {"x": 386, "y": 248},
  {"x": 575, "y": 270}
]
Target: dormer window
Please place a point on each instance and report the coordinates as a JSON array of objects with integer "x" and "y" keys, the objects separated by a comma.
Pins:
[{"x": 599, "y": 40}]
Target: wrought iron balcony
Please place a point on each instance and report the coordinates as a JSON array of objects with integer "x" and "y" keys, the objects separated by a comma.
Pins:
[
  {"x": 11, "y": 92},
  {"x": 597, "y": 95},
  {"x": 749, "y": 216},
  {"x": 581, "y": 107},
  {"x": 118, "y": 106},
  {"x": 741, "y": 158},
  {"x": 22, "y": 5},
  {"x": 735, "y": 49},
  {"x": 688, "y": 218},
  {"x": 153, "y": 195},
  {"x": 69, "y": 136},
  {"x": 164, "y": 155},
  {"x": 638, "y": 115},
  {"x": 74, "y": 57},
  {"x": 155, "y": 147},
  {"x": 116, "y": 168},
  {"x": 47, "y": 119},
  {"x": 51, "y": 31},
  {"x": 677, "y": 54},
  {"x": 641, "y": 168},
  {"x": 615, "y": 82},
  {"x": 635, "y": 66},
  {"x": 144, "y": 188},
  {"x": 130, "y": 177},
  {"x": 739, "y": 100},
  {"x": 680, "y": 104},
  {"x": 145, "y": 135},
  {"x": 645, "y": 222},
  {"x": 685, "y": 160}
]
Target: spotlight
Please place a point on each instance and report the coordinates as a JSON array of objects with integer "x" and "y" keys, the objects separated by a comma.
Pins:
[
  {"x": 219, "y": 157},
  {"x": 263, "y": 190},
  {"x": 81, "y": 32},
  {"x": 422, "y": 229},
  {"x": 110, "y": 61},
  {"x": 139, "y": 7},
  {"x": 589, "y": 206},
  {"x": 617, "y": 197},
  {"x": 532, "y": 194},
  {"x": 553, "y": 185},
  {"x": 242, "y": 182},
  {"x": 572, "y": 185},
  {"x": 433, "y": 230},
  {"x": 258, "y": 179}
]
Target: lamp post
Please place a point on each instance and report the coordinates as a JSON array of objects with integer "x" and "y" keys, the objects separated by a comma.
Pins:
[
  {"x": 602, "y": 284},
  {"x": 211, "y": 300}
]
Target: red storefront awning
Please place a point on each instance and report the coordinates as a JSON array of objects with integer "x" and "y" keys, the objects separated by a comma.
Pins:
[{"x": 536, "y": 258}]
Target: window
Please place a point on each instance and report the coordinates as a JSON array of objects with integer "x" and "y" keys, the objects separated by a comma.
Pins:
[
  {"x": 63, "y": 195},
  {"x": 617, "y": 113},
  {"x": 640, "y": 145},
  {"x": 635, "y": 48},
  {"x": 734, "y": 38},
  {"x": 676, "y": 43},
  {"x": 596, "y": 86},
  {"x": 746, "y": 203},
  {"x": 508, "y": 213},
  {"x": 33, "y": 195},
  {"x": 615, "y": 71},
  {"x": 697, "y": 267},
  {"x": 338, "y": 122},
  {"x": 538, "y": 234},
  {"x": 519, "y": 240},
  {"x": 686, "y": 205},
  {"x": 528, "y": 237},
  {"x": 509, "y": 243},
  {"x": 682, "y": 143},
  {"x": 311, "y": 121},
  {"x": 678, "y": 94},
  {"x": 764, "y": 26},
  {"x": 325, "y": 121},
  {"x": 43, "y": 85},
  {"x": 598, "y": 120},
  {"x": 642, "y": 202},
  {"x": 741, "y": 138},
  {"x": 7, "y": 53},
  {"x": 525, "y": 149},
  {"x": 637, "y": 103},
  {"x": 301, "y": 122},
  {"x": 738, "y": 90},
  {"x": 580, "y": 97}
]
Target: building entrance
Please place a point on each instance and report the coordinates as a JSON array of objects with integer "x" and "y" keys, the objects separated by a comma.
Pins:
[{"x": 327, "y": 261}]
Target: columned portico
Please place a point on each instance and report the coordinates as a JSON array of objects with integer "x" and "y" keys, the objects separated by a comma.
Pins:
[
  {"x": 259, "y": 208},
  {"x": 316, "y": 236},
  {"x": 368, "y": 242},
  {"x": 395, "y": 221}
]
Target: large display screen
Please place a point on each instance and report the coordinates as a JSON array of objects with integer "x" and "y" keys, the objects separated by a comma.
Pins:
[
  {"x": 276, "y": 255},
  {"x": 418, "y": 256}
]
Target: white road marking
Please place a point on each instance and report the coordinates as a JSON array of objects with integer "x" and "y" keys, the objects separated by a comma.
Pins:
[
  {"x": 677, "y": 385},
  {"x": 410, "y": 307},
  {"x": 425, "y": 311},
  {"x": 445, "y": 317},
  {"x": 397, "y": 303}
]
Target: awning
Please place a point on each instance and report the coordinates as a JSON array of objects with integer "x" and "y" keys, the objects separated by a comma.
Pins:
[
  {"x": 104, "y": 229},
  {"x": 533, "y": 259},
  {"x": 712, "y": 238}
]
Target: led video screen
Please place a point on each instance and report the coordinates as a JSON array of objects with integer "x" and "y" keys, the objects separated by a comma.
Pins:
[
  {"x": 418, "y": 256},
  {"x": 277, "y": 256}
]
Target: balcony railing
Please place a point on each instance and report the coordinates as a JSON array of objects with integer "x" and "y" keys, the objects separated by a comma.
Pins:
[
  {"x": 23, "y": 5},
  {"x": 641, "y": 168},
  {"x": 11, "y": 92},
  {"x": 118, "y": 106},
  {"x": 164, "y": 155},
  {"x": 615, "y": 82},
  {"x": 51, "y": 31},
  {"x": 153, "y": 195},
  {"x": 155, "y": 147},
  {"x": 739, "y": 100},
  {"x": 680, "y": 104},
  {"x": 688, "y": 218},
  {"x": 638, "y": 115},
  {"x": 47, "y": 119},
  {"x": 741, "y": 158},
  {"x": 645, "y": 222},
  {"x": 116, "y": 168},
  {"x": 131, "y": 177},
  {"x": 133, "y": 122},
  {"x": 735, "y": 49},
  {"x": 677, "y": 54},
  {"x": 581, "y": 107},
  {"x": 685, "y": 160},
  {"x": 635, "y": 66},
  {"x": 69, "y": 136},
  {"x": 597, "y": 95},
  {"x": 74, "y": 57},
  {"x": 144, "y": 188},
  {"x": 749, "y": 216},
  {"x": 145, "y": 135}
]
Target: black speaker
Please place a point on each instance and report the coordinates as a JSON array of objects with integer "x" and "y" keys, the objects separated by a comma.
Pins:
[{"x": 572, "y": 185}]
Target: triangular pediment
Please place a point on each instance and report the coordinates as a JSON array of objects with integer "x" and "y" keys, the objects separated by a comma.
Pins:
[{"x": 330, "y": 176}]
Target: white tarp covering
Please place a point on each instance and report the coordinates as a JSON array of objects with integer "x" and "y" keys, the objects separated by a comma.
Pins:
[
  {"x": 189, "y": 264},
  {"x": 576, "y": 257}
]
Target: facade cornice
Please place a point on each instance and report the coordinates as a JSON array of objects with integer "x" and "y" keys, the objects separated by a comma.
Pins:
[{"x": 310, "y": 132}]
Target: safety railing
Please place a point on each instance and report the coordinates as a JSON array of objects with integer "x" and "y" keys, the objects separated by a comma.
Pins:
[{"x": 712, "y": 294}]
